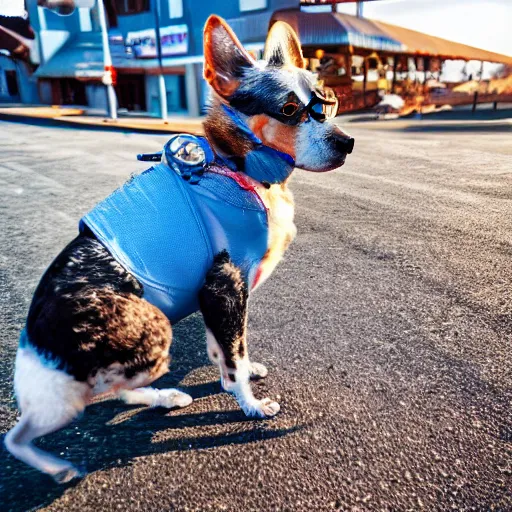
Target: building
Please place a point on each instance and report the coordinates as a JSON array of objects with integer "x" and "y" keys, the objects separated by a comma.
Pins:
[
  {"x": 361, "y": 58},
  {"x": 17, "y": 83},
  {"x": 71, "y": 67}
]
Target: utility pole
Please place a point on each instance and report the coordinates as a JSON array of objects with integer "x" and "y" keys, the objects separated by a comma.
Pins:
[
  {"x": 162, "y": 93},
  {"x": 359, "y": 9},
  {"x": 107, "y": 63}
]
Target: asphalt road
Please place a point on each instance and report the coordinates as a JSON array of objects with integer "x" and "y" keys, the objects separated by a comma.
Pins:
[{"x": 387, "y": 331}]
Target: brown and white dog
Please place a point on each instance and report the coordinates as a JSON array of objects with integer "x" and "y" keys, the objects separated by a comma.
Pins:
[{"x": 89, "y": 330}]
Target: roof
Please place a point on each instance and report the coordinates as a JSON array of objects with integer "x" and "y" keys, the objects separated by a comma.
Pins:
[
  {"x": 364, "y": 33},
  {"x": 335, "y": 29},
  {"x": 425, "y": 44},
  {"x": 82, "y": 57},
  {"x": 251, "y": 28}
]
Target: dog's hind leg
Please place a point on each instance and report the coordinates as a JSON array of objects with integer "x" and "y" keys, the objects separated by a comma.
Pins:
[
  {"x": 223, "y": 301},
  {"x": 135, "y": 394},
  {"x": 18, "y": 442},
  {"x": 153, "y": 397},
  {"x": 49, "y": 399}
]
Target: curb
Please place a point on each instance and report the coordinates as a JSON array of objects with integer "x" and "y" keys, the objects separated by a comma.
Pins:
[
  {"x": 101, "y": 125},
  {"x": 426, "y": 125}
]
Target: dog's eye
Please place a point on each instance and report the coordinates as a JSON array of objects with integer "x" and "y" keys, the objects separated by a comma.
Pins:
[{"x": 290, "y": 108}]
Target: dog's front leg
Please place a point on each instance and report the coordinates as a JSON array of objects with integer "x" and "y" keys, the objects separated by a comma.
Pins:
[{"x": 223, "y": 301}]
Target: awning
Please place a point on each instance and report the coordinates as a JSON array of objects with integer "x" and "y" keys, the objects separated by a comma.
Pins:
[
  {"x": 364, "y": 33},
  {"x": 80, "y": 57},
  {"x": 251, "y": 28},
  {"x": 336, "y": 29},
  {"x": 424, "y": 44},
  {"x": 319, "y": 29}
]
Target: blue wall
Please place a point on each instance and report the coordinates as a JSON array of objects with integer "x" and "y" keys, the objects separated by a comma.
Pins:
[
  {"x": 195, "y": 14},
  {"x": 27, "y": 84}
]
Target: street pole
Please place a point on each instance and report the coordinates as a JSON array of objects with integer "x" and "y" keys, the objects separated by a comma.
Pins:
[
  {"x": 107, "y": 63},
  {"x": 162, "y": 93}
]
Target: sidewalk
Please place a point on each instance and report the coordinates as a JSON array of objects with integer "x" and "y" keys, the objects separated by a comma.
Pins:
[
  {"x": 457, "y": 119},
  {"x": 68, "y": 116},
  {"x": 427, "y": 125},
  {"x": 87, "y": 119}
]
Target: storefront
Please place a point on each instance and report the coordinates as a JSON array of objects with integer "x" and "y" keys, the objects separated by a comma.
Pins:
[
  {"x": 362, "y": 59},
  {"x": 345, "y": 51},
  {"x": 74, "y": 76}
]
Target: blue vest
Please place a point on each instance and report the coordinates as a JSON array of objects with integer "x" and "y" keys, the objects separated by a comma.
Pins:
[{"x": 166, "y": 230}]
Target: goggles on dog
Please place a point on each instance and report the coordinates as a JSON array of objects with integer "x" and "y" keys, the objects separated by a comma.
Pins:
[{"x": 322, "y": 105}]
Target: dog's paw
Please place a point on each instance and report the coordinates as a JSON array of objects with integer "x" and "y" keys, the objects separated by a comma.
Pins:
[
  {"x": 68, "y": 474},
  {"x": 269, "y": 408},
  {"x": 153, "y": 397},
  {"x": 265, "y": 408},
  {"x": 169, "y": 398},
  {"x": 258, "y": 371}
]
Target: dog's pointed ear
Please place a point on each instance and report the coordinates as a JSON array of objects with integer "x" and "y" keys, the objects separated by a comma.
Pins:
[
  {"x": 283, "y": 46},
  {"x": 224, "y": 57}
]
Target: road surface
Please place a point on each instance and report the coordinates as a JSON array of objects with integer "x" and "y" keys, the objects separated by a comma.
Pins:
[{"x": 387, "y": 331}]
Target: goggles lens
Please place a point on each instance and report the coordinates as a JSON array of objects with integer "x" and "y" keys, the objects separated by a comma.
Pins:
[
  {"x": 323, "y": 105},
  {"x": 331, "y": 108}
]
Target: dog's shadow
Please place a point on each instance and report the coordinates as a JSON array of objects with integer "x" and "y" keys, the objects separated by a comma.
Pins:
[{"x": 111, "y": 434}]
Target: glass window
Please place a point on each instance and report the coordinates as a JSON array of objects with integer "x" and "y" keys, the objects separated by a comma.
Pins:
[
  {"x": 252, "y": 5},
  {"x": 12, "y": 83},
  {"x": 175, "y": 8},
  {"x": 131, "y": 6}
]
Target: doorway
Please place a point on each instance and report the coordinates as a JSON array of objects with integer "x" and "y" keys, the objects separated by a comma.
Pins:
[{"x": 131, "y": 92}]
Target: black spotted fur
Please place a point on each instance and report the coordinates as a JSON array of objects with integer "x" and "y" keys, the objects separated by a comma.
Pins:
[
  {"x": 223, "y": 303},
  {"x": 87, "y": 313}
]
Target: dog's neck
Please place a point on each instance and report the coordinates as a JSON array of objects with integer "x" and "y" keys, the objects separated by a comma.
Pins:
[{"x": 232, "y": 139}]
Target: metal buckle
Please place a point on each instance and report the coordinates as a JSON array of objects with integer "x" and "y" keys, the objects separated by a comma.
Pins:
[
  {"x": 189, "y": 156},
  {"x": 150, "y": 157}
]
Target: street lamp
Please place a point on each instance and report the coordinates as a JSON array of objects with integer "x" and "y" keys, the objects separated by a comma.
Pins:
[
  {"x": 162, "y": 93},
  {"x": 107, "y": 63}
]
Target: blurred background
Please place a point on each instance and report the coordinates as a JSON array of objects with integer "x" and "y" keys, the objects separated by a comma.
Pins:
[{"x": 144, "y": 57}]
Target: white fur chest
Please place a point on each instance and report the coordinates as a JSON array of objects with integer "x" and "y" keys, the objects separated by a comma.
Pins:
[{"x": 278, "y": 200}]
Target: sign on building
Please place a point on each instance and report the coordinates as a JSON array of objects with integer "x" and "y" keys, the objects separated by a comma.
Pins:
[{"x": 174, "y": 41}]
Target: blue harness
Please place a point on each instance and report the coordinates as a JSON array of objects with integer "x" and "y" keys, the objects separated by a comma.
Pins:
[{"x": 166, "y": 224}]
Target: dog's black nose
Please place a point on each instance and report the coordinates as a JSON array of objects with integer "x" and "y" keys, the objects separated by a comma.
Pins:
[{"x": 344, "y": 144}]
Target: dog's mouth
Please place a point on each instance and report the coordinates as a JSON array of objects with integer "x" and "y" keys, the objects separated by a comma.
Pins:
[{"x": 330, "y": 166}]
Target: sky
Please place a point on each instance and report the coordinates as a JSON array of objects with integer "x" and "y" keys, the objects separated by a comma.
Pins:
[
  {"x": 485, "y": 24},
  {"x": 481, "y": 23}
]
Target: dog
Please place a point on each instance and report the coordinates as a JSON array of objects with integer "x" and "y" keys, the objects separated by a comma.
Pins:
[{"x": 100, "y": 318}]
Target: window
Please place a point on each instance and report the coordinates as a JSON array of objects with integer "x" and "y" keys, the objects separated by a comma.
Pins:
[
  {"x": 252, "y": 5},
  {"x": 175, "y": 8},
  {"x": 131, "y": 6},
  {"x": 111, "y": 9},
  {"x": 12, "y": 83}
]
